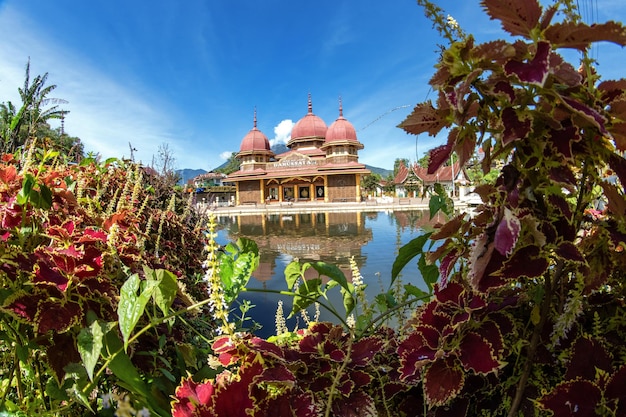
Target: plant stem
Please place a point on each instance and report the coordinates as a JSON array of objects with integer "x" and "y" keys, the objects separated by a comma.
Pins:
[
  {"x": 338, "y": 375},
  {"x": 536, "y": 336}
]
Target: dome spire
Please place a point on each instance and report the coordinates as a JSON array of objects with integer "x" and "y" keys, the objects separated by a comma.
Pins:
[
  {"x": 310, "y": 105},
  {"x": 254, "y": 117},
  {"x": 340, "y": 108}
]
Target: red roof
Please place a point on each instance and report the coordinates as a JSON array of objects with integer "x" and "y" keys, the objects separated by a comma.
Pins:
[
  {"x": 443, "y": 174},
  {"x": 309, "y": 126},
  {"x": 254, "y": 140}
]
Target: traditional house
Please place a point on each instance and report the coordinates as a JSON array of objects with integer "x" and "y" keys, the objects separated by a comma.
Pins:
[
  {"x": 322, "y": 164},
  {"x": 415, "y": 181}
]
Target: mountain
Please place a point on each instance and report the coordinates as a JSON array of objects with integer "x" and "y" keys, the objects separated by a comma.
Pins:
[{"x": 187, "y": 174}]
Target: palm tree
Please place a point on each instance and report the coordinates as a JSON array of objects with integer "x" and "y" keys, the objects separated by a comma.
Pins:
[{"x": 18, "y": 126}]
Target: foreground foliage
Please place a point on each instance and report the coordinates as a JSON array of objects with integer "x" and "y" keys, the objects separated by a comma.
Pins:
[{"x": 528, "y": 314}]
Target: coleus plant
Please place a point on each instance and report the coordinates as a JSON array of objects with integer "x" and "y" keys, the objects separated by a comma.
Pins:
[
  {"x": 548, "y": 240},
  {"x": 528, "y": 315},
  {"x": 70, "y": 235}
]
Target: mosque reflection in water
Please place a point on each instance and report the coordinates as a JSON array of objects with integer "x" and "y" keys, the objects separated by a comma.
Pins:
[
  {"x": 372, "y": 238},
  {"x": 330, "y": 237}
]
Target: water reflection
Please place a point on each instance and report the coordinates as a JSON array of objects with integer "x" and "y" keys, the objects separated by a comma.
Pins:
[{"x": 372, "y": 238}]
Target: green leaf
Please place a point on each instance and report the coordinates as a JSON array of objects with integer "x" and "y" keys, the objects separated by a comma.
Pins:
[
  {"x": 131, "y": 306},
  {"x": 430, "y": 273},
  {"x": 27, "y": 186},
  {"x": 46, "y": 197},
  {"x": 348, "y": 301},
  {"x": 416, "y": 292},
  {"x": 89, "y": 343},
  {"x": 166, "y": 288},
  {"x": 308, "y": 293},
  {"x": 406, "y": 253},
  {"x": 331, "y": 271},
  {"x": 293, "y": 273}
]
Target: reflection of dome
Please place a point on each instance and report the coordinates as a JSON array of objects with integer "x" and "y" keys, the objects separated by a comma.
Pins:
[
  {"x": 310, "y": 126},
  {"x": 254, "y": 140},
  {"x": 340, "y": 129}
]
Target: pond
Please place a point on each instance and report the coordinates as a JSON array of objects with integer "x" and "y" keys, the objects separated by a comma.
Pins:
[{"x": 372, "y": 238}]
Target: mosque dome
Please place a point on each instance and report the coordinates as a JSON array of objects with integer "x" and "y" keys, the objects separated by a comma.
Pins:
[
  {"x": 309, "y": 126},
  {"x": 255, "y": 140},
  {"x": 341, "y": 129}
]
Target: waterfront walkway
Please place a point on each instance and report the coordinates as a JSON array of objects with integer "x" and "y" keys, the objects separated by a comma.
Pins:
[{"x": 389, "y": 204}]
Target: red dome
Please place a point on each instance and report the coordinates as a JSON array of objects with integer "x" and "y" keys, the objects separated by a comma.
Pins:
[
  {"x": 309, "y": 126},
  {"x": 254, "y": 140},
  {"x": 341, "y": 129}
]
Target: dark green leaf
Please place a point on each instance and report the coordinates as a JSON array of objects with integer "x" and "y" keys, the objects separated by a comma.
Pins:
[
  {"x": 331, "y": 271},
  {"x": 430, "y": 273},
  {"x": 89, "y": 344},
  {"x": 415, "y": 291},
  {"x": 406, "y": 253},
  {"x": 308, "y": 292}
]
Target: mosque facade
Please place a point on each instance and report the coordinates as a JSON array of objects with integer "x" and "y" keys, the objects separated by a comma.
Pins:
[{"x": 321, "y": 164}]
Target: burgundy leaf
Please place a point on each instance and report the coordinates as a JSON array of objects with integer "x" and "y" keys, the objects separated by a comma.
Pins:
[
  {"x": 234, "y": 399},
  {"x": 534, "y": 72},
  {"x": 618, "y": 165},
  {"x": 443, "y": 380},
  {"x": 266, "y": 347},
  {"x": 587, "y": 112},
  {"x": 572, "y": 398},
  {"x": 569, "y": 252},
  {"x": 514, "y": 128},
  {"x": 615, "y": 387},
  {"x": 507, "y": 233},
  {"x": 438, "y": 156},
  {"x": 357, "y": 405},
  {"x": 278, "y": 373},
  {"x": 588, "y": 355},
  {"x": 525, "y": 262},
  {"x": 562, "y": 140},
  {"x": 447, "y": 263},
  {"x": 477, "y": 355},
  {"x": 363, "y": 351},
  {"x": 25, "y": 306},
  {"x": 46, "y": 275},
  {"x": 62, "y": 352},
  {"x": 58, "y": 316}
]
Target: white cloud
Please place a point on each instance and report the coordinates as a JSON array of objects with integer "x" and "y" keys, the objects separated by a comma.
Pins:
[
  {"x": 282, "y": 132},
  {"x": 225, "y": 155}
]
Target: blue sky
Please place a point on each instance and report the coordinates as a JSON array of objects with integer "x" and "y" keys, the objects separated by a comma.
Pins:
[{"x": 190, "y": 74}]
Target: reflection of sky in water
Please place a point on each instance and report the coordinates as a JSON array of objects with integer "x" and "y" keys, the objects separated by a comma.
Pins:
[{"x": 373, "y": 239}]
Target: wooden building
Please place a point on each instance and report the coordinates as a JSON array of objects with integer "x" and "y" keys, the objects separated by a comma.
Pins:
[{"x": 322, "y": 164}]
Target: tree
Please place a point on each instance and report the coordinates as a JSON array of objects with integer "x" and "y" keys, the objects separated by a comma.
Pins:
[
  {"x": 230, "y": 166},
  {"x": 371, "y": 182},
  {"x": 399, "y": 162},
  {"x": 18, "y": 126}
]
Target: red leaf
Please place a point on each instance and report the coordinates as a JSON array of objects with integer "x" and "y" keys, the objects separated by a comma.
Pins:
[
  {"x": 517, "y": 17},
  {"x": 46, "y": 275},
  {"x": 588, "y": 355},
  {"x": 438, "y": 156},
  {"x": 25, "y": 306},
  {"x": 189, "y": 396},
  {"x": 535, "y": 71},
  {"x": 477, "y": 354},
  {"x": 8, "y": 174},
  {"x": 615, "y": 388},
  {"x": 234, "y": 399},
  {"x": 570, "y": 398},
  {"x": 443, "y": 380},
  {"x": 569, "y": 252}
]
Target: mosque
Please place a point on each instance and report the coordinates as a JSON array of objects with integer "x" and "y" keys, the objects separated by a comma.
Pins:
[{"x": 321, "y": 165}]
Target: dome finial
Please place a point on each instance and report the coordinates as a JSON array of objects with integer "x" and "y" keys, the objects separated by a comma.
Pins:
[
  {"x": 340, "y": 107},
  {"x": 254, "y": 117},
  {"x": 310, "y": 105}
]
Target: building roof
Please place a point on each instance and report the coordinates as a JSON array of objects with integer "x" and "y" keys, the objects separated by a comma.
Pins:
[
  {"x": 255, "y": 140},
  {"x": 341, "y": 129},
  {"x": 443, "y": 174},
  {"x": 310, "y": 126}
]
